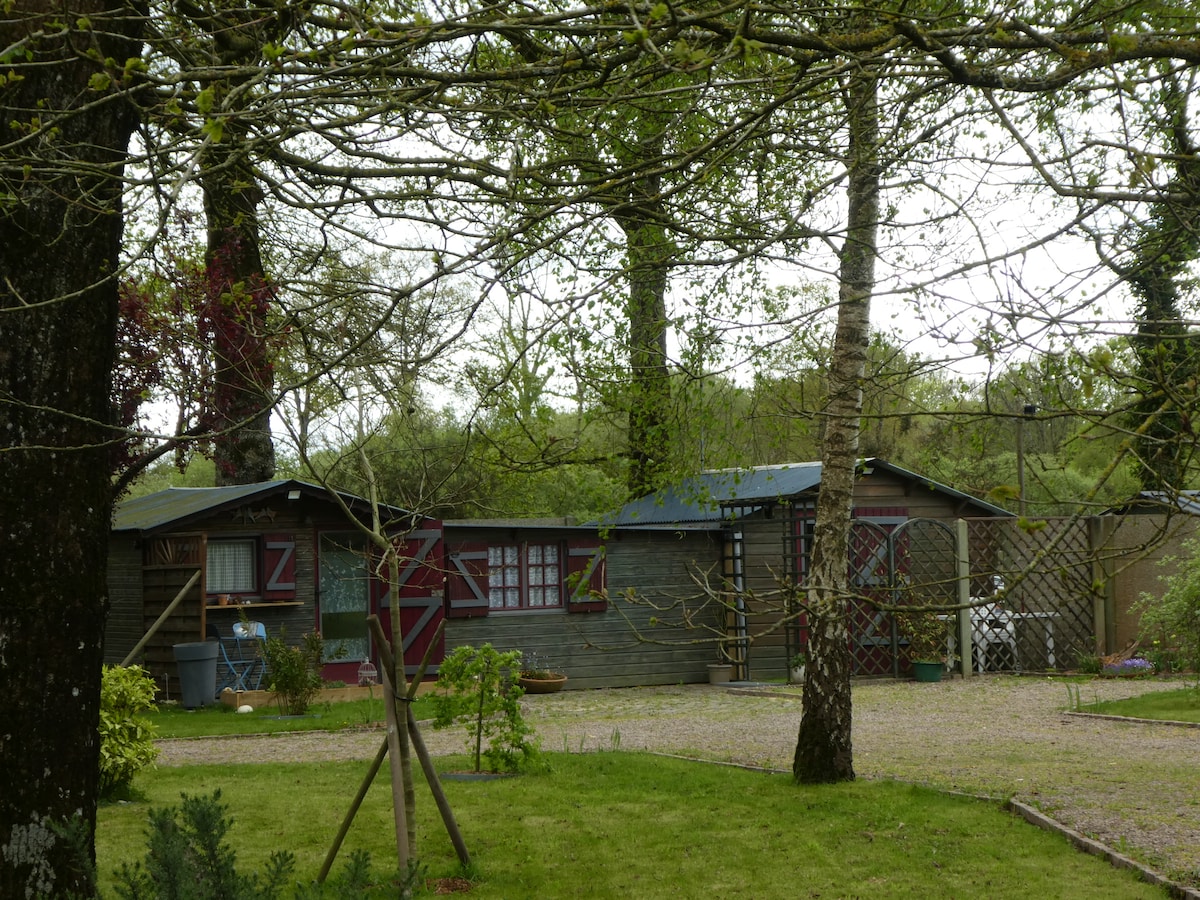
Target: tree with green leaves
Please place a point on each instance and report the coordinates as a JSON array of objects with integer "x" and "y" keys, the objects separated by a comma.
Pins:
[
  {"x": 361, "y": 125},
  {"x": 1167, "y": 349}
]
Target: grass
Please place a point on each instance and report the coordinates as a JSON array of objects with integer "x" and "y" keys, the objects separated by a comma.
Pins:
[
  {"x": 214, "y": 721},
  {"x": 625, "y": 824},
  {"x": 1179, "y": 705}
]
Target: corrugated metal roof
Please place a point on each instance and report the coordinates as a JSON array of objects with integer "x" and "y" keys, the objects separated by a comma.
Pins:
[
  {"x": 704, "y": 498},
  {"x": 178, "y": 505},
  {"x": 712, "y": 497},
  {"x": 1160, "y": 501}
]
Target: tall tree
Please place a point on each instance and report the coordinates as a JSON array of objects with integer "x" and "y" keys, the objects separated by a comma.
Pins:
[
  {"x": 1167, "y": 349},
  {"x": 824, "y": 751},
  {"x": 65, "y": 125},
  {"x": 240, "y": 293}
]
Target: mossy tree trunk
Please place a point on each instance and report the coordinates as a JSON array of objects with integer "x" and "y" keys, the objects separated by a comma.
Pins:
[
  {"x": 64, "y": 132},
  {"x": 240, "y": 294}
]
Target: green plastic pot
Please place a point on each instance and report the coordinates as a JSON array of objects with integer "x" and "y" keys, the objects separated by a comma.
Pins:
[{"x": 927, "y": 671}]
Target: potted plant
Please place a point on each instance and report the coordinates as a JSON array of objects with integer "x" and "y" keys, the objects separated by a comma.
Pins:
[
  {"x": 536, "y": 676},
  {"x": 796, "y": 667},
  {"x": 294, "y": 673},
  {"x": 927, "y": 642},
  {"x": 721, "y": 671}
]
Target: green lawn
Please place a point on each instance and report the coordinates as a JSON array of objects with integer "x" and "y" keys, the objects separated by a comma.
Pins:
[
  {"x": 618, "y": 824},
  {"x": 1179, "y": 705},
  {"x": 175, "y": 721}
]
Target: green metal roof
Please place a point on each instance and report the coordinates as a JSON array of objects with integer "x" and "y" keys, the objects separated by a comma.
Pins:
[{"x": 177, "y": 506}]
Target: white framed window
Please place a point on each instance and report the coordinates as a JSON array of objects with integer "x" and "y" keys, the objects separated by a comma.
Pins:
[
  {"x": 230, "y": 568},
  {"x": 504, "y": 577}
]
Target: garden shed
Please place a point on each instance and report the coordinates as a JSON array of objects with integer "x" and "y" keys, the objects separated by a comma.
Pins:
[
  {"x": 284, "y": 553},
  {"x": 558, "y": 590},
  {"x": 763, "y": 520},
  {"x": 646, "y": 595}
]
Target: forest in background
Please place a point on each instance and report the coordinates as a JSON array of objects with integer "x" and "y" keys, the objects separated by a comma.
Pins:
[{"x": 960, "y": 431}]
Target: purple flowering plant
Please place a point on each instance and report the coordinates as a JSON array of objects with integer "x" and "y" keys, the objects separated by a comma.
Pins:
[{"x": 1128, "y": 668}]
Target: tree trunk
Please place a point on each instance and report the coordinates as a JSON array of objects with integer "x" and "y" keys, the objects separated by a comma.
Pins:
[
  {"x": 1166, "y": 349},
  {"x": 824, "y": 750},
  {"x": 646, "y": 259},
  {"x": 64, "y": 140},
  {"x": 239, "y": 293}
]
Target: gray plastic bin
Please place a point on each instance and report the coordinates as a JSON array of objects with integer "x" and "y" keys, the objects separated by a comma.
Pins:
[{"x": 197, "y": 662}]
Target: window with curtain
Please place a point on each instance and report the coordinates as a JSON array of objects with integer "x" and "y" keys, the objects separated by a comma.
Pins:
[
  {"x": 544, "y": 579},
  {"x": 230, "y": 568},
  {"x": 524, "y": 576}
]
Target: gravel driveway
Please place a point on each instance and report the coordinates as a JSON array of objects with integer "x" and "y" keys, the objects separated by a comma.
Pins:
[{"x": 1132, "y": 786}]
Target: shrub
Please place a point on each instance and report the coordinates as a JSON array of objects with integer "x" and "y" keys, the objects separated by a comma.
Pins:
[
  {"x": 480, "y": 691},
  {"x": 1171, "y": 623},
  {"x": 189, "y": 858},
  {"x": 295, "y": 672},
  {"x": 927, "y": 635},
  {"x": 126, "y": 738}
]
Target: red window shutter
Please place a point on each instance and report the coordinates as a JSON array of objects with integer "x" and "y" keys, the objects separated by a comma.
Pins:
[
  {"x": 279, "y": 567},
  {"x": 585, "y": 576},
  {"x": 467, "y": 581},
  {"x": 420, "y": 566}
]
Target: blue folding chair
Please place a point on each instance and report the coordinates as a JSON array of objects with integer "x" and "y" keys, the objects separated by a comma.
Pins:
[
  {"x": 248, "y": 638},
  {"x": 232, "y": 669}
]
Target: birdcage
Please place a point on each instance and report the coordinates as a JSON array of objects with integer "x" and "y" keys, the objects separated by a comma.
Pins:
[{"x": 367, "y": 674}]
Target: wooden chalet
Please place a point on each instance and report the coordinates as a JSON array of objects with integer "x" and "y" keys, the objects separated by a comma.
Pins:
[
  {"x": 628, "y": 600},
  {"x": 760, "y": 521},
  {"x": 284, "y": 553}
]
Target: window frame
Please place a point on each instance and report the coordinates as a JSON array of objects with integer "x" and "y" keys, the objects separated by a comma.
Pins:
[
  {"x": 254, "y": 545},
  {"x": 522, "y": 570}
]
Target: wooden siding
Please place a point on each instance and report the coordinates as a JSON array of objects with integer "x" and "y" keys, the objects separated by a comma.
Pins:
[
  {"x": 1138, "y": 552},
  {"x": 884, "y": 490},
  {"x": 161, "y": 582},
  {"x": 123, "y": 628},
  {"x": 762, "y": 553},
  {"x": 603, "y": 649}
]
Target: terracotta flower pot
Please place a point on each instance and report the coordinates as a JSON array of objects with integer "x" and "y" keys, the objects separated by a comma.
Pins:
[{"x": 542, "y": 685}]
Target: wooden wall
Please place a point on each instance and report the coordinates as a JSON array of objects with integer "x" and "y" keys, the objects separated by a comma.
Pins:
[
  {"x": 123, "y": 628},
  {"x": 614, "y": 648},
  {"x": 762, "y": 565},
  {"x": 1137, "y": 551},
  {"x": 884, "y": 490},
  {"x": 167, "y": 566},
  {"x": 146, "y": 575}
]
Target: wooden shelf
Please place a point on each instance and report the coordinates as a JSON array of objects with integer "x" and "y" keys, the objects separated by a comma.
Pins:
[{"x": 265, "y": 604}]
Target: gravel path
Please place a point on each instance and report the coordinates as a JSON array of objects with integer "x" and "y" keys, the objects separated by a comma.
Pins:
[{"x": 1132, "y": 786}]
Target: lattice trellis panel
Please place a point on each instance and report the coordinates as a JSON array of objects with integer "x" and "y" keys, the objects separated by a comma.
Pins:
[
  {"x": 1031, "y": 589},
  {"x": 1039, "y": 584},
  {"x": 913, "y": 563}
]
